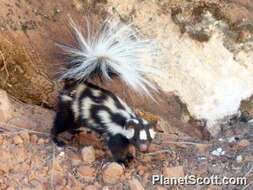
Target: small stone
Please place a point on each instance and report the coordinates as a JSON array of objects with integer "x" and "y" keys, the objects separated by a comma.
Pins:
[
  {"x": 87, "y": 173},
  {"x": 88, "y": 155},
  {"x": 61, "y": 154},
  {"x": 112, "y": 173},
  {"x": 41, "y": 141},
  {"x": 34, "y": 139},
  {"x": 105, "y": 188},
  {"x": 6, "y": 111},
  {"x": 177, "y": 171},
  {"x": 239, "y": 158},
  {"x": 243, "y": 143},
  {"x": 134, "y": 184},
  {"x": 90, "y": 187},
  {"x": 218, "y": 152},
  {"x": 25, "y": 136},
  {"x": 17, "y": 140}
]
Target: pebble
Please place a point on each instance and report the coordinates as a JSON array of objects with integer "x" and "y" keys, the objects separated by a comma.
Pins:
[
  {"x": 88, "y": 155},
  {"x": 17, "y": 139},
  {"x": 239, "y": 158},
  {"x": 41, "y": 141},
  {"x": 88, "y": 173},
  {"x": 112, "y": 173},
  {"x": 25, "y": 136},
  {"x": 218, "y": 152}
]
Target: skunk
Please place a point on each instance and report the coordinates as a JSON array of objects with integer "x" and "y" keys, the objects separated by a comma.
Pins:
[{"x": 114, "y": 51}]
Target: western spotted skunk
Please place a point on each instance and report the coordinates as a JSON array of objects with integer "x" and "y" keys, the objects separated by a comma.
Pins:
[{"x": 114, "y": 51}]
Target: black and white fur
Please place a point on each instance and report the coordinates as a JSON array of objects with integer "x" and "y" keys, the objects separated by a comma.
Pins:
[
  {"x": 87, "y": 105},
  {"x": 114, "y": 50}
]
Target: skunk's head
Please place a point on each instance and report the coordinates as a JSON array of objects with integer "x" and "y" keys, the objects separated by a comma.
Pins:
[{"x": 144, "y": 133}]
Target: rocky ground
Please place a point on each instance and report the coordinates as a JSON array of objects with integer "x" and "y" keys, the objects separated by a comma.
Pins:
[{"x": 29, "y": 159}]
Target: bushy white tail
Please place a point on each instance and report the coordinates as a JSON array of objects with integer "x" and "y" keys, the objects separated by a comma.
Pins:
[{"x": 115, "y": 49}]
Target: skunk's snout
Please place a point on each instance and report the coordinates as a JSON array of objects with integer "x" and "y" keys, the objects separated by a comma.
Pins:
[{"x": 143, "y": 147}]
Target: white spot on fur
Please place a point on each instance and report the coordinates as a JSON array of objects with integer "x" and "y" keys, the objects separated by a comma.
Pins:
[
  {"x": 144, "y": 122},
  {"x": 113, "y": 128},
  {"x": 152, "y": 133},
  {"x": 66, "y": 98},
  {"x": 96, "y": 92},
  {"x": 135, "y": 121},
  {"x": 143, "y": 135}
]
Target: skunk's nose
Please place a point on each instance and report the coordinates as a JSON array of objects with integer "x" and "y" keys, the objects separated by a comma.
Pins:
[{"x": 143, "y": 147}]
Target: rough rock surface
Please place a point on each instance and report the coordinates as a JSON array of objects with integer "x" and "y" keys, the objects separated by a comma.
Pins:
[
  {"x": 211, "y": 83},
  {"x": 33, "y": 161}
]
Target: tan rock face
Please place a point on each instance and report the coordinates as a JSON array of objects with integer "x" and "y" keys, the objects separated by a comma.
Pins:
[
  {"x": 112, "y": 173},
  {"x": 88, "y": 155},
  {"x": 208, "y": 81}
]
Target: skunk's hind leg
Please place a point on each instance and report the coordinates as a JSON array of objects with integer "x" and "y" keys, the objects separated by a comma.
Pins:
[
  {"x": 64, "y": 120},
  {"x": 118, "y": 145}
]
